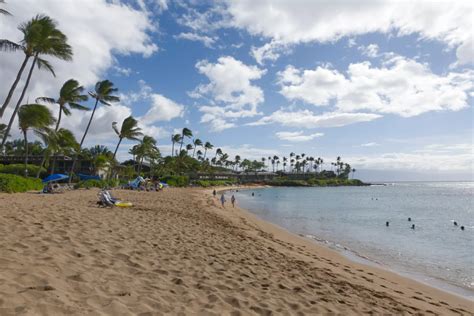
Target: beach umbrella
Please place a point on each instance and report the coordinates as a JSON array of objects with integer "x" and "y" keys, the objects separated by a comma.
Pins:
[{"x": 55, "y": 177}]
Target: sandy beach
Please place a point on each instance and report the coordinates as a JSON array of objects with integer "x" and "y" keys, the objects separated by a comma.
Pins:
[{"x": 177, "y": 252}]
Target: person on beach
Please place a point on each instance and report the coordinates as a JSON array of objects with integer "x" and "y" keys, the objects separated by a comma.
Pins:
[
  {"x": 232, "y": 200},
  {"x": 222, "y": 200},
  {"x": 214, "y": 193}
]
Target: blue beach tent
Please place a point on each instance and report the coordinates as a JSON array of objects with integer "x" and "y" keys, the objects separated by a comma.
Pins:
[{"x": 55, "y": 177}]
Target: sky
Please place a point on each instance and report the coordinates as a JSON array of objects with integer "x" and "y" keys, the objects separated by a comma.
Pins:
[{"x": 386, "y": 85}]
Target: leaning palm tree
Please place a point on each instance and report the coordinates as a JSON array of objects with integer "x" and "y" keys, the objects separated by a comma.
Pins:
[
  {"x": 207, "y": 146},
  {"x": 186, "y": 132},
  {"x": 103, "y": 93},
  {"x": 197, "y": 142},
  {"x": 176, "y": 138},
  {"x": 36, "y": 117},
  {"x": 129, "y": 130},
  {"x": 69, "y": 95},
  {"x": 40, "y": 37}
]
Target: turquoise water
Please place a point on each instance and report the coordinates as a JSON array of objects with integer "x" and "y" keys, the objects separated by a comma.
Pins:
[{"x": 353, "y": 218}]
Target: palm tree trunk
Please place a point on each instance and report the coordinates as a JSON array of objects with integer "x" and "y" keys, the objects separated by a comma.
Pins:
[
  {"x": 116, "y": 148},
  {"x": 194, "y": 151},
  {"x": 7, "y": 131},
  {"x": 82, "y": 141},
  {"x": 59, "y": 118},
  {"x": 205, "y": 151},
  {"x": 13, "y": 87},
  {"x": 181, "y": 146},
  {"x": 26, "y": 152},
  {"x": 41, "y": 165},
  {"x": 172, "y": 149}
]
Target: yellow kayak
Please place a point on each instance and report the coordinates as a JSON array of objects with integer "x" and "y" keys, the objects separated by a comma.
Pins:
[{"x": 123, "y": 204}]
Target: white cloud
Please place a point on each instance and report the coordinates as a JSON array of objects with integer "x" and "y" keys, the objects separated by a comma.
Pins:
[
  {"x": 206, "y": 40},
  {"x": 307, "y": 119},
  {"x": 297, "y": 136},
  {"x": 90, "y": 34},
  {"x": 269, "y": 51},
  {"x": 230, "y": 90},
  {"x": 300, "y": 21},
  {"x": 161, "y": 108},
  {"x": 371, "y": 144},
  {"x": 123, "y": 71},
  {"x": 371, "y": 50},
  {"x": 401, "y": 86},
  {"x": 427, "y": 160}
]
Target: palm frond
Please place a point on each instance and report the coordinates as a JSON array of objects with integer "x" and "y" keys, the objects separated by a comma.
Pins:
[
  {"x": 77, "y": 106},
  {"x": 9, "y": 46},
  {"x": 45, "y": 100},
  {"x": 42, "y": 63},
  {"x": 114, "y": 126}
]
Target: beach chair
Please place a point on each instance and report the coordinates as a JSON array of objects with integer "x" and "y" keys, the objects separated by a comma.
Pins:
[
  {"x": 107, "y": 200},
  {"x": 136, "y": 184}
]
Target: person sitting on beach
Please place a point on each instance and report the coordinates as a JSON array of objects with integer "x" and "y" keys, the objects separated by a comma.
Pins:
[
  {"x": 222, "y": 200},
  {"x": 232, "y": 200}
]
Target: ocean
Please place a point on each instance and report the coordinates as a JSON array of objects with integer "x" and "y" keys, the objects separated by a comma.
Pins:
[{"x": 353, "y": 220}]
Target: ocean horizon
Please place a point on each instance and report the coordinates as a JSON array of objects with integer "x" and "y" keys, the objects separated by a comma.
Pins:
[{"x": 353, "y": 221}]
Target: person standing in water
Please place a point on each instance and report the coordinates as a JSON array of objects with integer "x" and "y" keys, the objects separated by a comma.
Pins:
[
  {"x": 214, "y": 193},
  {"x": 222, "y": 200},
  {"x": 232, "y": 200}
]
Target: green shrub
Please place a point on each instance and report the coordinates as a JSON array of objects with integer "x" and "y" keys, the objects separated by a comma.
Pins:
[
  {"x": 287, "y": 182},
  {"x": 11, "y": 183},
  {"x": 93, "y": 183},
  {"x": 19, "y": 169},
  {"x": 176, "y": 181},
  {"x": 215, "y": 183}
]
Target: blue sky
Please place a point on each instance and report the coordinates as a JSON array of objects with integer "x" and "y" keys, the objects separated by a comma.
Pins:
[{"x": 386, "y": 85}]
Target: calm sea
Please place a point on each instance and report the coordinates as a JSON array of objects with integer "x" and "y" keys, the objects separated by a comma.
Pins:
[{"x": 353, "y": 219}]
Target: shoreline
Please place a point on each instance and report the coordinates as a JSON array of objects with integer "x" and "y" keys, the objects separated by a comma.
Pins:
[
  {"x": 177, "y": 252},
  {"x": 435, "y": 284},
  {"x": 352, "y": 255}
]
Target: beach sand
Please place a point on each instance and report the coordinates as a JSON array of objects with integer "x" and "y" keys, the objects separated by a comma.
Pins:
[{"x": 177, "y": 252}]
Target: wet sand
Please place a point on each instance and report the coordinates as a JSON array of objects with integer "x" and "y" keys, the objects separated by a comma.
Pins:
[{"x": 178, "y": 252}]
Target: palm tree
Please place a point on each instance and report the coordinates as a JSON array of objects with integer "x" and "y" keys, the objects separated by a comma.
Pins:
[
  {"x": 176, "y": 138},
  {"x": 40, "y": 37},
  {"x": 36, "y": 117},
  {"x": 129, "y": 130},
  {"x": 62, "y": 140},
  {"x": 218, "y": 153},
  {"x": 146, "y": 149},
  {"x": 186, "y": 132},
  {"x": 103, "y": 93},
  {"x": 237, "y": 160},
  {"x": 3, "y": 11},
  {"x": 207, "y": 146},
  {"x": 188, "y": 148},
  {"x": 69, "y": 95},
  {"x": 197, "y": 142}
]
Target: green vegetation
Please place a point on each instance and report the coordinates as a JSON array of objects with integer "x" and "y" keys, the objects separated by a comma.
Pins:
[
  {"x": 176, "y": 181},
  {"x": 215, "y": 183},
  {"x": 314, "y": 182},
  {"x": 19, "y": 169},
  {"x": 11, "y": 183},
  {"x": 92, "y": 183}
]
